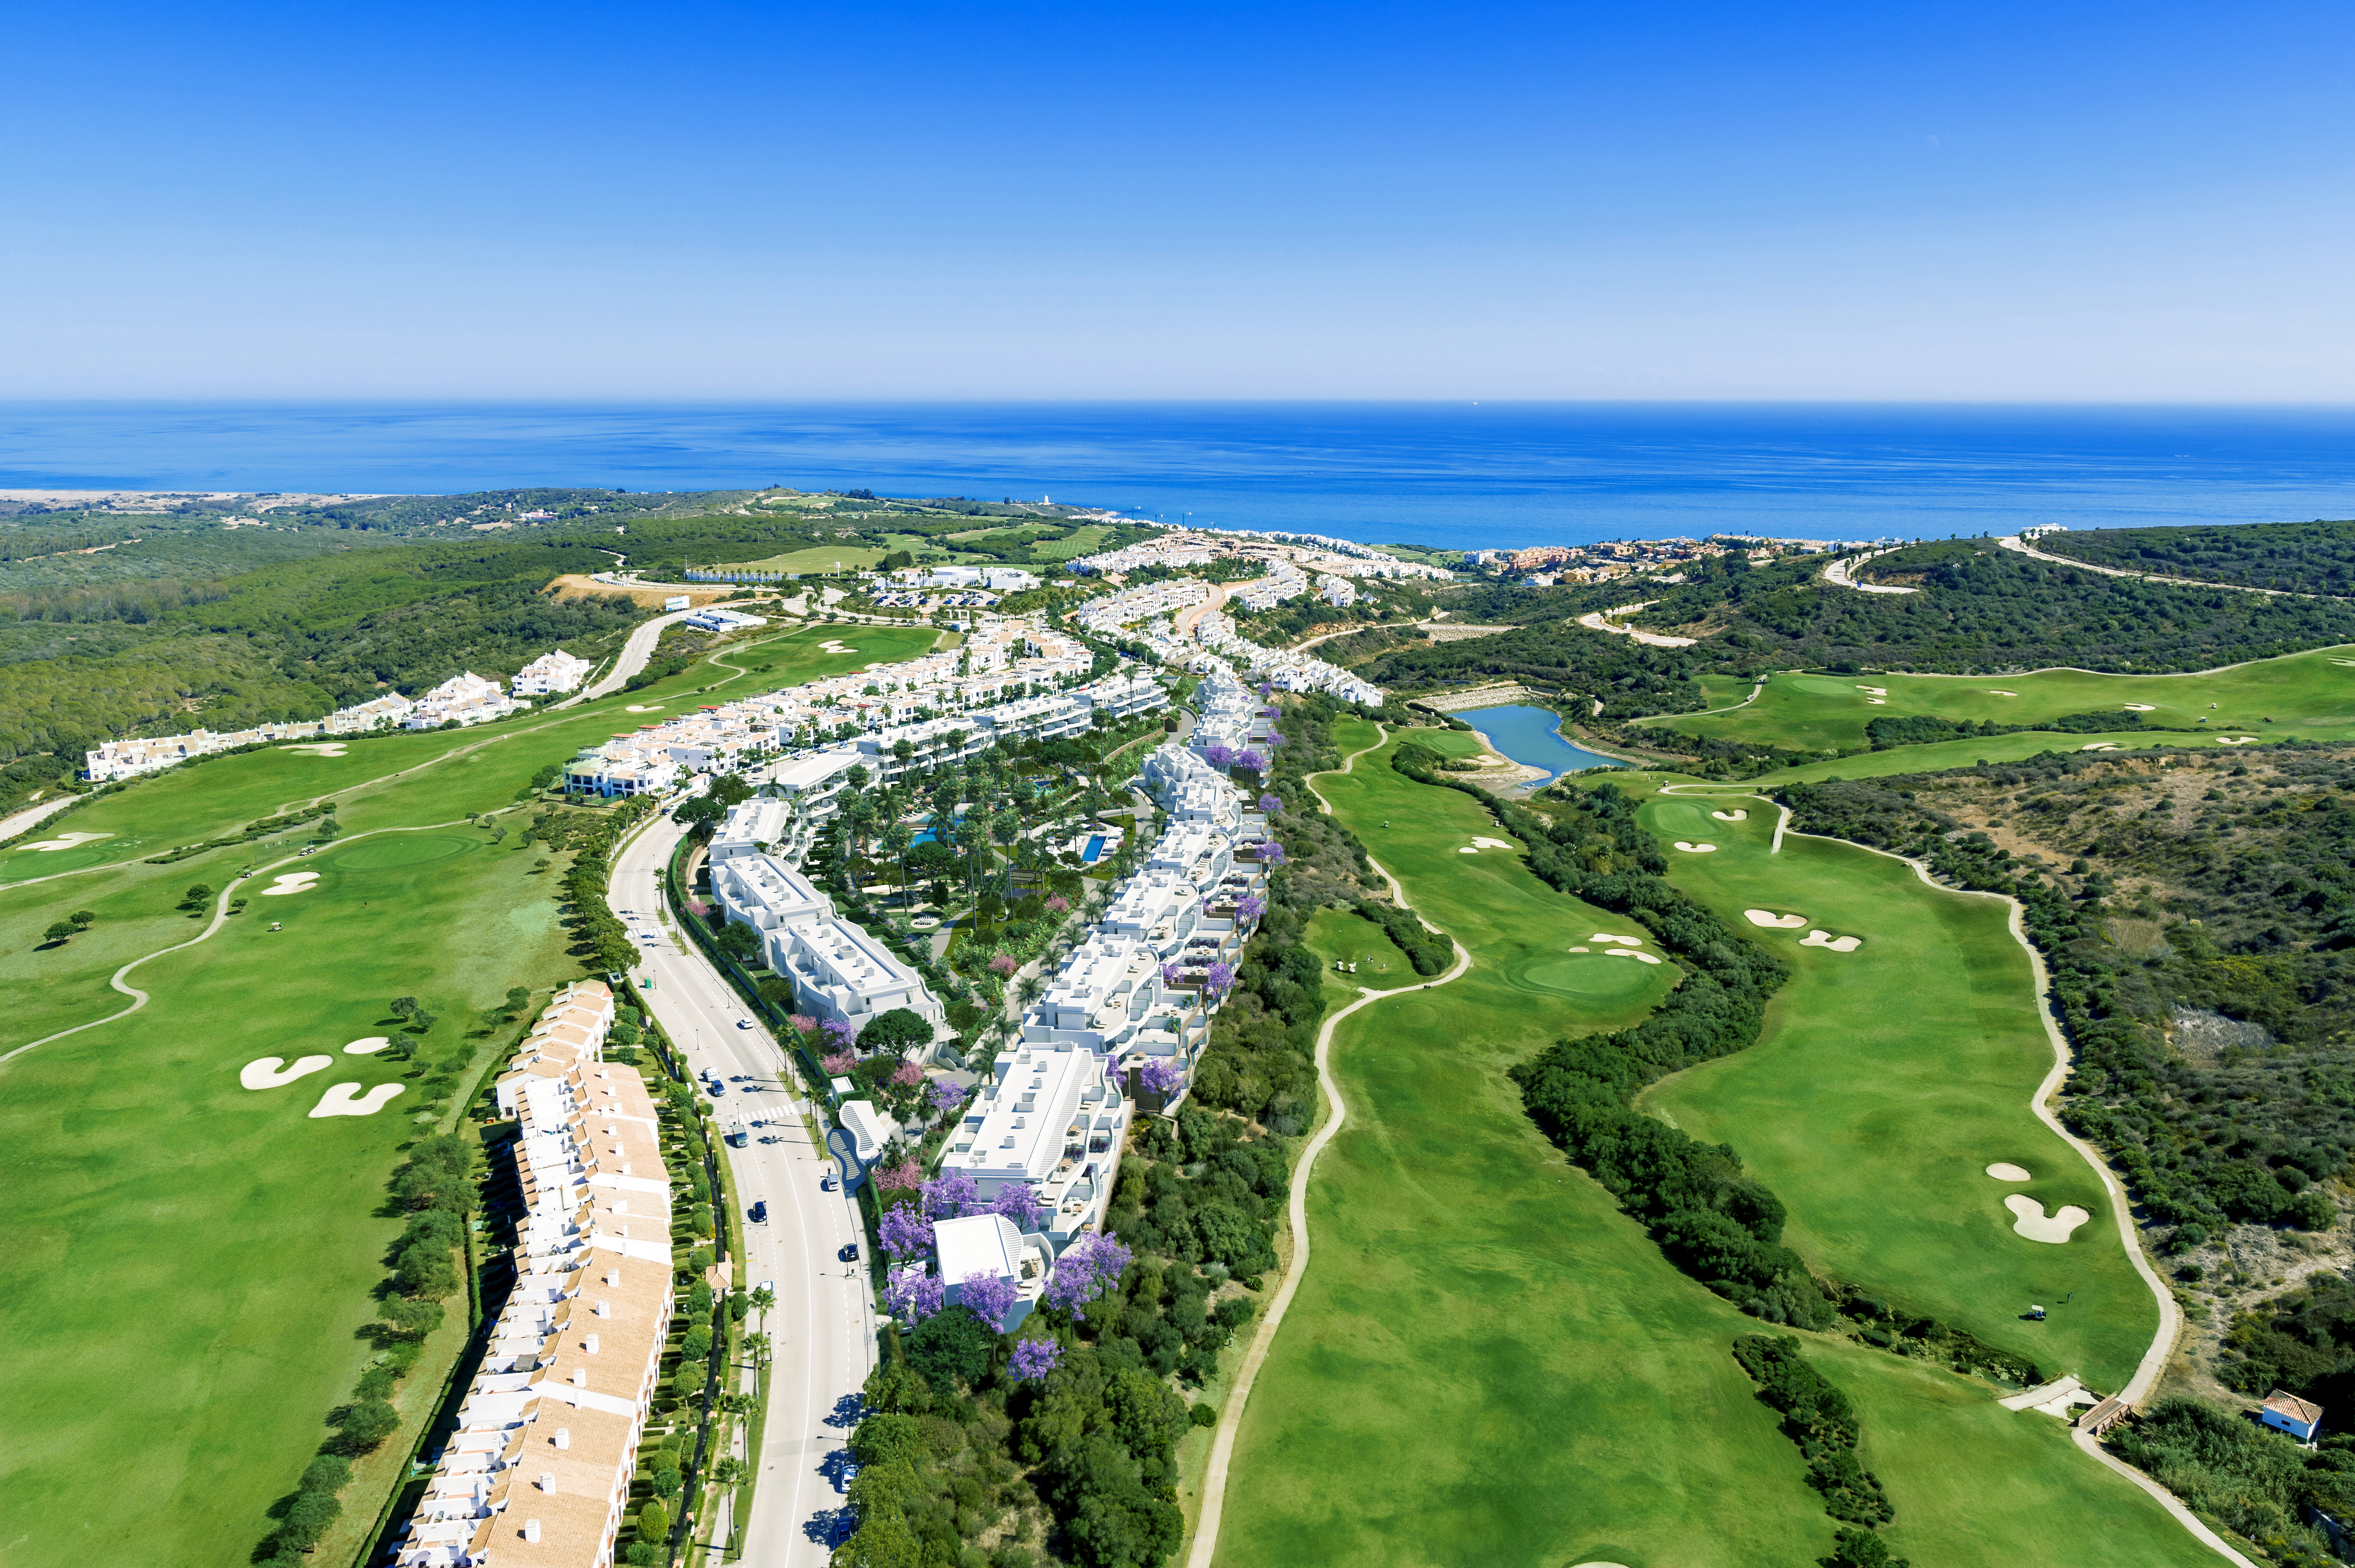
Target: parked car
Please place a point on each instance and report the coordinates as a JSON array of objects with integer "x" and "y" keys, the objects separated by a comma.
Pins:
[{"x": 759, "y": 1213}]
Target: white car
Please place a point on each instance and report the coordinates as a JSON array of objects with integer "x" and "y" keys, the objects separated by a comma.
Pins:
[{"x": 743, "y": 1023}]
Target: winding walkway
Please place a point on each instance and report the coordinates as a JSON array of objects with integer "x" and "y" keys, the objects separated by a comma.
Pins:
[
  {"x": 2019, "y": 545},
  {"x": 2153, "y": 1364},
  {"x": 1222, "y": 1442}
]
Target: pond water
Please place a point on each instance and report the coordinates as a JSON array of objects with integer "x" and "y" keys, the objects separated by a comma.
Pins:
[{"x": 1530, "y": 736}]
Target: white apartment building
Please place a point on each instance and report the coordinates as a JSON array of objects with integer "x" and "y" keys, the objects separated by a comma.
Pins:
[
  {"x": 990, "y": 1244},
  {"x": 1051, "y": 1118},
  {"x": 837, "y": 970},
  {"x": 550, "y": 674},
  {"x": 468, "y": 699},
  {"x": 538, "y": 1469},
  {"x": 128, "y": 759},
  {"x": 1337, "y": 592}
]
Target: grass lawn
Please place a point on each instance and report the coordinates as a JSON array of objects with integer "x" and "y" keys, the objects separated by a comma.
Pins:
[
  {"x": 1485, "y": 1362},
  {"x": 1341, "y": 936},
  {"x": 2310, "y": 695},
  {"x": 192, "y": 1261},
  {"x": 1886, "y": 1082}
]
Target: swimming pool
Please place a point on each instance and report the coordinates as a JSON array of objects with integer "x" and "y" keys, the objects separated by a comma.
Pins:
[
  {"x": 1531, "y": 737},
  {"x": 1094, "y": 848}
]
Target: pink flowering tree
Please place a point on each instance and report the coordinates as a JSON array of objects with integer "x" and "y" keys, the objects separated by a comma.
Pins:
[
  {"x": 1034, "y": 1359},
  {"x": 905, "y": 1232},
  {"x": 988, "y": 1297},
  {"x": 837, "y": 1064},
  {"x": 1019, "y": 1201},
  {"x": 1058, "y": 904},
  {"x": 1003, "y": 965},
  {"x": 1162, "y": 1076},
  {"x": 1092, "y": 1266},
  {"x": 952, "y": 1195},
  {"x": 914, "y": 1292},
  {"x": 802, "y": 1022},
  {"x": 904, "y": 1177},
  {"x": 907, "y": 1075},
  {"x": 1222, "y": 979}
]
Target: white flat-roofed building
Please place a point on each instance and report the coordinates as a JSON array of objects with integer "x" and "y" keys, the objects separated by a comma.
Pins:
[
  {"x": 752, "y": 827},
  {"x": 837, "y": 970},
  {"x": 1050, "y": 1118},
  {"x": 989, "y": 1244},
  {"x": 549, "y": 674},
  {"x": 1008, "y": 579},
  {"x": 387, "y": 710},
  {"x": 712, "y": 618},
  {"x": 1106, "y": 996},
  {"x": 871, "y": 1128}
]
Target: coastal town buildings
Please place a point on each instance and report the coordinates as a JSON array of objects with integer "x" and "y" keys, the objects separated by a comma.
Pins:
[
  {"x": 464, "y": 699},
  {"x": 550, "y": 674},
  {"x": 127, "y": 759},
  {"x": 537, "y": 1471}
]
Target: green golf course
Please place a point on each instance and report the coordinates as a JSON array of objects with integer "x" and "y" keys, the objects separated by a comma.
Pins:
[
  {"x": 2310, "y": 695},
  {"x": 1887, "y": 1080},
  {"x": 1488, "y": 1362},
  {"x": 194, "y": 1260}
]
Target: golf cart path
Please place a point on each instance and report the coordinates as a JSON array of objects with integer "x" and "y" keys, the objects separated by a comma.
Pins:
[
  {"x": 1222, "y": 1442},
  {"x": 2170, "y": 1317},
  {"x": 140, "y": 999}
]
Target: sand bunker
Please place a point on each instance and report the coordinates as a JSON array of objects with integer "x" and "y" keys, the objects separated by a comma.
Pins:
[
  {"x": 2236, "y": 740},
  {"x": 1773, "y": 922},
  {"x": 267, "y": 1074},
  {"x": 833, "y": 646},
  {"x": 2003, "y": 1170},
  {"x": 64, "y": 841},
  {"x": 1578, "y": 950},
  {"x": 1467, "y": 849},
  {"x": 368, "y": 1047},
  {"x": 2098, "y": 746},
  {"x": 2141, "y": 708},
  {"x": 1494, "y": 844},
  {"x": 1622, "y": 941},
  {"x": 318, "y": 748},
  {"x": 1837, "y": 944},
  {"x": 1737, "y": 814},
  {"x": 345, "y": 1100},
  {"x": 293, "y": 882},
  {"x": 1991, "y": 691},
  {"x": 1631, "y": 953},
  {"x": 1876, "y": 691},
  {"x": 643, "y": 708},
  {"x": 1696, "y": 848},
  {"x": 1876, "y": 702},
  {"x": 2031, "y": 1220}
]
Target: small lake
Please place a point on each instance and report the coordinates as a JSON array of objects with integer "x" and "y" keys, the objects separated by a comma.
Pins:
[{"x": 1529, "y": 736}]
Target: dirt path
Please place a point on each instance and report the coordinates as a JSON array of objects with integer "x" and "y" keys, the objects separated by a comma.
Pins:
[
  {"x": 1222, "y": 1442},
  {"x": 2014, "y": 543}
]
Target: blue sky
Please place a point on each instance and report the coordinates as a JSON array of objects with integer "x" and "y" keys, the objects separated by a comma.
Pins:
[{"x": 2004, "y": 202}]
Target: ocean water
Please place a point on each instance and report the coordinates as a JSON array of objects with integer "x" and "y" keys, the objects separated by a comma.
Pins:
[
  {"x": 1532, "y": 737},
  {"x": 1462, "y": 475}
]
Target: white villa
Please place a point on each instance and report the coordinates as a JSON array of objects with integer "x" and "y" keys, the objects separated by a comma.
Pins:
[
  {"x": 468, "y": 699},
  {"x": 550, "y": 674},
  {"x": 989, "y": 1244}
]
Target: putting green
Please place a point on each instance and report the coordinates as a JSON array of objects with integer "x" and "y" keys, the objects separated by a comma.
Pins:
[
  {"x": 1886, "y": 1081},
  {"x": 393, "y": 850},
  {"x": 1486, "y": 1362},
  {"x": 2309, "y": 695},
  {"x": 1583, "y": 976}
]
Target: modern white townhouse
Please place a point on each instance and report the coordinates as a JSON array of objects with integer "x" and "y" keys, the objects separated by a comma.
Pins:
[
  {"x": 1049, "y": 1117},
  {"x": 836, "y": 969},
  {"x": 550, "y": 674},
  {"x": 538, "y": 1469},
  {"x": 128, "y": 759},
  {"x": 989, "y": 1244}
]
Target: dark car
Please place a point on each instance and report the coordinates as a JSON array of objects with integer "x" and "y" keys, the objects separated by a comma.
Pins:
[
  {"x": 759, "y": 1213},
  {"x": 826, "y": 1182},
  {"x": 849, "y": 1253}
]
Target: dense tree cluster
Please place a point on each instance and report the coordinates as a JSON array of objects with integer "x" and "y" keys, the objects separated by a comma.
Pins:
[
  {"x": 2256, "y": 1482},
  {"x": 2290, "y": 558},
  {"x": 1820, "y": 1420},
  {"x": 1427, "y": 949}
]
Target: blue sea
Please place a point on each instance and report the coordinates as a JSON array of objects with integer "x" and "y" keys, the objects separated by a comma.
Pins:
[{"x": 1465, "y": 476}]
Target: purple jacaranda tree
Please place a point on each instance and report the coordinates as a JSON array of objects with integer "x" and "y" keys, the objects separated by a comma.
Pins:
[
  {"x": 1019, "y": 1201},
  {"x": 1251, "y": 761},
  {"x": 841, "y": 1035},
  {"x": 1269, "y": 802},
  {"x": 988, "y": 1297},
  {"x": 906, "y": 1233},
  {"x": 1267, "y": 689},
  {"x": 914, "y": 1292},
  {"x": 946, "y": 1097},
  {"x": 1267, "y": 712},
  {"x": 1271, "y": 853},
  {"x": 1171, "y": 974},
  {"x": 1034, "y": 1359},
  {"x": 1220, "y": 980},
  {"x": 1221, "y": 757},
  {"x": 1093, "y": 1266},
  {"x": 1250, "y": 908},
  {"x": 1161, "y": 1075},
  {"x": 951, "y": 1195}
]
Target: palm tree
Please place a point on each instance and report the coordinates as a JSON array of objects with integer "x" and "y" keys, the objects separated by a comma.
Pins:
[{"x": 896, "y": 840}]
